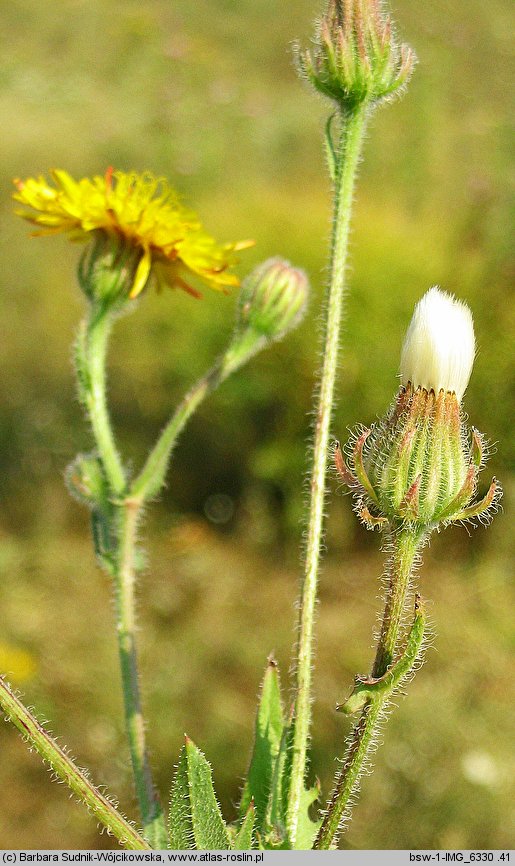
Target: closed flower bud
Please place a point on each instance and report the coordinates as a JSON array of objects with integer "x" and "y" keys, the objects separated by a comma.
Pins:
[
  {"x": 273, "y": 299},
  {"x": 107, "y": 270},
  {"x": 356, "y": 57},
  {"x": 86, "y": 481},
  {"x": 439, "y": 346},
  {"x": 420, "y": 464}
]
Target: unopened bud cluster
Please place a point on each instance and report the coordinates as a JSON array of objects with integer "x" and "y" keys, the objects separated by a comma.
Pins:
[
  {"x": 273, "y": 299},
  {"x": 420, "y": 465},
  {"x": 356, "y": 57}
]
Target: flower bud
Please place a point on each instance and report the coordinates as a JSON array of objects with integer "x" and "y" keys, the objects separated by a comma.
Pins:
[
  {"x": 86, "y": 481},
  {"x": 356, "y": 57},
  {"x": 417, "y": 461},
  {"x": 439, "y": 346},
  {"x": 107, "y": 269},
  {"x": 420, "y": 464},
  {"x": 273, "y": 299}
]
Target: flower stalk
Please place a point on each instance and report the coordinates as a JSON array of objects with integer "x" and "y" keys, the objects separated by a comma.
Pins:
[
  {"x": 90, "y": 356},
  {"x": 347, "y": 160},
  {"x": 117, "y": 553},
  {"x": 357, "y": 63},
  {"x": 151, "y": 479},
  {"x": 405, "y": 547},
  {"x": 276, "y": 297},
  {"x": 273, "y": 299},
  {"x": 125, "y": 574}
]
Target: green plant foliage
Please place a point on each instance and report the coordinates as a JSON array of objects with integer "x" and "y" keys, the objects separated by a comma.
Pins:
[
  {"x": 369, "y": 688},
  {"x": 245, "y": 835},
  {"x": 195, "y": 818},
  {"x": 307, "y": 828},
  {"x": 267, "y": 784},
  {"x": 277, "y": 801},
  {"x": 268, "y": 735},
  {"x": 181, "y": 830}
]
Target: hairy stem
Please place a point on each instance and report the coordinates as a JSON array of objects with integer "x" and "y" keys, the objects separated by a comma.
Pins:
[
  {"x": 147, "y": 484},
  {"x": 152, "y": 476},
  {"x": 150, "y": 809},
  {"x": 406, "y": 544},
  {"x": 65, "y": 769},
  {"x": 346, "y": 163},
  {"x": 92, "y": 367},
  {"x": 348, "y": 776},
  {"x": 91, "y": 360}
]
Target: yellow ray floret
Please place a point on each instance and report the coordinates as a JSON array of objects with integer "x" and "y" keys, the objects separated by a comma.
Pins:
[{"x": 141, "y": 210}]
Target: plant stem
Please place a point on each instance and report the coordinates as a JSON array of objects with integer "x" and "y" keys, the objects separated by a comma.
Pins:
[
  {"x": 64, "y": 767},
  {"x": 405, "y": 547},
  {"x": 150, "y": 809},
  {"x": 96, "y": 336},
  {"x": 362, "y": 737},
  {"x": 91, "y": 359},
  {"x": 127, "y": 506},
  {"x": 406, "y": 543},
  {"x": 147, "y": 484},
  {"x": 347, "y": 159},
  {"x": 152, "y": 476}
]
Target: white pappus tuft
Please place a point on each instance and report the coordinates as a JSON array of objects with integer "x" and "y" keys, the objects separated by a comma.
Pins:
[{"x": 439, "y": 346}]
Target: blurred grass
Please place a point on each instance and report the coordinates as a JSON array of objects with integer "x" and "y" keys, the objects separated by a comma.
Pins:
[{"x": 205, "y": 93}]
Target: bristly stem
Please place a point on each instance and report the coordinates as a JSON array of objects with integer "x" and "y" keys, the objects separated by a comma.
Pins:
[
  {"x": 150, "y": 809},
  {"x": 62, "y": 765},
  {"x": 362, "y": 738},
  {"x": 153, "y": 474},
  {"x": 406, "y": 544},
  {"x": 91, "y": 363},
  {"x": 346, "y": 163},
  {"x": 127, "y": 503},
  {"x": 127, "y": 507}
]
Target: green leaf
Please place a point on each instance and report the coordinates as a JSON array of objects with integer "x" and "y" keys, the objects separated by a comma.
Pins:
[
  {"x": 278, "y": 806},
  {"x": 278, "y": 800},
  {"x": 268, "y": 736},
  {"x": 369, "y": 688},
  {"x": 244, "y": 836},
  {"x": 307, "y": 829},
  {"x": 330, "y": 149},
  {"x": 181, "y": 828},
  {"x": 101, "y": 526},
  {"x": 208, "y": 825},
  {"x": 195, "y": 818},
  {"x": 269, "y": 774}
]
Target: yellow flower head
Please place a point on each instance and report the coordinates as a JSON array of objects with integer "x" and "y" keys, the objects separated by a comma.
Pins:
[{"x": 140, "y": 210}]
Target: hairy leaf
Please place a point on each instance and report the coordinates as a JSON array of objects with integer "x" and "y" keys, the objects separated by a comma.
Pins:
[
  {"x": 244, "y": 836},
  {"x": 307, "y": 828},
  {"x": 181, "y": 829},
  {"x": 268, "y": 735},
  {"x": 195, "y": 818}
]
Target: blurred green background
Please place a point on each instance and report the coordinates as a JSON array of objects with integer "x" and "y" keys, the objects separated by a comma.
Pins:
[{"x": 204, "y": 92}]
